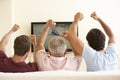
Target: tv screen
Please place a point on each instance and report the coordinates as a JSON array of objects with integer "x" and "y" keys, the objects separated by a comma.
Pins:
[{"x": 37, "y": 27}]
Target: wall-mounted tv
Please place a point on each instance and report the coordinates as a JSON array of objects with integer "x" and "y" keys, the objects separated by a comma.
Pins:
[{"x": 37, "y": 27}]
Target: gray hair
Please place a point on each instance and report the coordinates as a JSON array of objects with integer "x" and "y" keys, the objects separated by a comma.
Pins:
[{"x": 57, "y": 46}]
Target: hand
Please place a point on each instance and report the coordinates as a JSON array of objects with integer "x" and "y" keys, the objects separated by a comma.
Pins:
[
  {"x": 33, "y": 38},
  {"x": 78, "y": 16},
  {"x": 64, "y": 34},
  {"x": 50, "y": 23},
  {"x": 94, "y": 16},
  {"x": 15, "y": 28},
  {"x": 67, "y": 35}
]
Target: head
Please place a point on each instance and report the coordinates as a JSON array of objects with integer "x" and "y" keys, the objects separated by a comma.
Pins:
[
  {"x": 22, "y": 45},
  {"x": 96, "y": 39},
  {"x": 57, "y": 46}
]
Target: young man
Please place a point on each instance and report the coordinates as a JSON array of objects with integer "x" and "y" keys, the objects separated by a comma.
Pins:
[
  {"x": 56, "y": 58},
  {"x": 97, "y": 59},
  {"x": 21, "y": 50}
]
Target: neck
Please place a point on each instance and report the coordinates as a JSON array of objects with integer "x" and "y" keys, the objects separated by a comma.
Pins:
[
  {"x": 101, "y": 50},
  {"x": 18, "y": 59}
]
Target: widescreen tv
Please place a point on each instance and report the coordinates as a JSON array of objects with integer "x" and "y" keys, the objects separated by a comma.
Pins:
[{"x": 37, "y": 27}]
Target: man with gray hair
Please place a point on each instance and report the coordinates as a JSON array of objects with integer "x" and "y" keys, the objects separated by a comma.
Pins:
[
  {"x": 56, "y": 58},
  {"x": 57, "y": 46}
]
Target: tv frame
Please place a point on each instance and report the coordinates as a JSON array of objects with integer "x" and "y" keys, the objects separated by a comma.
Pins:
[{"x": 60, "y": 27}]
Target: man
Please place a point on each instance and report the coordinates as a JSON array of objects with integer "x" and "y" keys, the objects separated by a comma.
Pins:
[
  {"x": 21, "y": 50},
  {"x": 97, "y": 59},
  {"x": 56, "y": 58}
]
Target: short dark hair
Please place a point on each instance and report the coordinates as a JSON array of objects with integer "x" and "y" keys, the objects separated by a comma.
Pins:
[
  {"x": 96, "y": 39},
  {"x": 21, "y": 45}
]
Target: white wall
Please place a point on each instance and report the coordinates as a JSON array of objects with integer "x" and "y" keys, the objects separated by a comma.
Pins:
[
  {"x": 6, "y": 21},
  {"x": 26, "y": 11}
]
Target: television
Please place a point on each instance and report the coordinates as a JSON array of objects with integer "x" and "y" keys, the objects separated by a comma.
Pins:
[{"x": 37, "y": 27}]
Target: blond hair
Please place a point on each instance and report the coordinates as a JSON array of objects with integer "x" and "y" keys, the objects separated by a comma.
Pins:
[{"x": 57, "y": 46}]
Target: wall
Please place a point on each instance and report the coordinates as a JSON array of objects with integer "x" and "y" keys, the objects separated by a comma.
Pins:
[
  {"x": 26, "y": 11},
  {"x": 6, "y": 21}
]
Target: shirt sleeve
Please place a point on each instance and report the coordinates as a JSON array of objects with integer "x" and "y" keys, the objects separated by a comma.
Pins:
[
  {"x": 79, "y": 58},
  {"x": 88, "y": 53},
  {"x": 33, "y": 66},
  {"x": 2, "y": 55},
  {"x": 112, "y": 50},
  {"x": 41, "y": 55}
]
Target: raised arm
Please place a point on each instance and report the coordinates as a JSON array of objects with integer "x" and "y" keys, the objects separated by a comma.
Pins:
[
  {"x": 40, "y": 44},
  {"x": 33, "y": 40},
  {"x": 106, "y": 28},
  {"x": 70, "y": 35},
  {"x": 7, "y": 36}
]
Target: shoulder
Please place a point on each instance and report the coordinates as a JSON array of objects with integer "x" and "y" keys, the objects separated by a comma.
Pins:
[
  {"x": 112, "y": 45},
  {"x": 75, "y": 58},
  {"x": 112, "y": 49},
  {"x": 41, "y": 52},
  {"x": 78, "y": 58},
  {"x": 88, "y": 51},
  {"x": 2, "y": 54},
  {"x": 32, "y": 66}
]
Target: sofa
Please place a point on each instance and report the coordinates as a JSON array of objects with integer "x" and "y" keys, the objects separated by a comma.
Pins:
[{"x": 61, "y": 75}]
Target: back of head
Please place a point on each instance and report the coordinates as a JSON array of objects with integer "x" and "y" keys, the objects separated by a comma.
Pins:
[
  {"x": 96, "y": 39},
  {"x": 21, "y": 45},
  {"x": 57, "y": 46}
]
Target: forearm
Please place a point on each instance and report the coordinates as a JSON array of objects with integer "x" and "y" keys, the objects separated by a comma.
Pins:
[
  {"x": 42, "y": 37},
  {"x": 5, "y": 40},
  {"x": 35, "y": 50},
  {"x": 6, "y": 37},
  {"x": 107, "y": 30},
  {"x": 34, "y": 46},
  {"x": 76, "y": 44},
  {"x": 40, "y": 44},
  {"x": 73, "y": 28}
]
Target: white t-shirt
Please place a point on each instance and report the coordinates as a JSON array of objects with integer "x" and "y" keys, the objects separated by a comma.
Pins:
[
  {"x": 101, "y": 61},
  {"x": 47, "y": 62}
]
